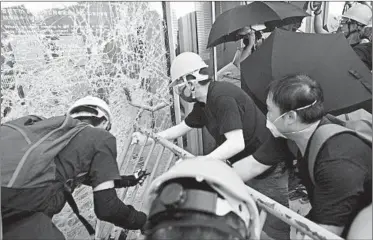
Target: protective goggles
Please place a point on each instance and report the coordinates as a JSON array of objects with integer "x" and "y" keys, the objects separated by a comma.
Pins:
[
  {"x": 348, "y": 21},
  {"x": 187, "y": 80}
]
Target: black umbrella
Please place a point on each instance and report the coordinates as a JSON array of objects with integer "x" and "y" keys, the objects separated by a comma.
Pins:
[
  {"x": 326, "y": 58},
  {"x": 228, "y": 23}
]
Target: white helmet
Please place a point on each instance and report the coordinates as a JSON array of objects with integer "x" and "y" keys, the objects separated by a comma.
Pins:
[
  {"x": 220, "y": 177},
  {"x": 360, "y": 13},
  {"x": 185, "y": 63},
  {"x": 100, "y": 105}
]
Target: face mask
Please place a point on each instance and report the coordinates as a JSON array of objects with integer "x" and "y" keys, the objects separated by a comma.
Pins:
[
  {"x": 186, "y": 89},
  {"x": 188, "y": 94},
  {"x": 274, "y": 130}
]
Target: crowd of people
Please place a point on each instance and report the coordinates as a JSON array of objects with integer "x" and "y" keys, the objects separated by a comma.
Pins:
[{"x": 203, "y": 197}]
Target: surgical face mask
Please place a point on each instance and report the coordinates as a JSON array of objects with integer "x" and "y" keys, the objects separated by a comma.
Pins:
[{"x": 274, "y": 130}]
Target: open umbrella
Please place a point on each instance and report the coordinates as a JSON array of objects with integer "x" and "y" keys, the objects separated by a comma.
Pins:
[
  {"x": 326, "y": 58},
  {"x": 228, "y": 23}
]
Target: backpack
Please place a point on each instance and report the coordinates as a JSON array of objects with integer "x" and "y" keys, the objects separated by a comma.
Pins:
[
  {"x": 28, "y": 147},
  {"x": 360, "y": 128}
]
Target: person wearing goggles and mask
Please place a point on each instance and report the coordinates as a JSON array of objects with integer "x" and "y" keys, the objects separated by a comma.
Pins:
[
  {"x": 343, "y": 166},
  {"x": 351, "y": 24},
  {"x": 233, "y": 120}
]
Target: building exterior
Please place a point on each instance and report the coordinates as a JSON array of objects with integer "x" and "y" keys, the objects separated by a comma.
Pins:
[
  {"x": 188, "y": 34},
  {"x": 204, "y": 23},
  {"x": 16, "y": 20}
]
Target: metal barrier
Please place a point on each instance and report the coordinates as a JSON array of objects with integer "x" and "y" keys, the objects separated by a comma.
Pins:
[{"x": 266, "y": 204}]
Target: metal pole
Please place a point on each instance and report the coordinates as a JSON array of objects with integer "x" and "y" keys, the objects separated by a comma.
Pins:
[
  {"x": 308, "y": 227},
  {"x": 171, "y": 54},
  {"x": 172, "y": 147},
  {"x": 213, "y": 17}
]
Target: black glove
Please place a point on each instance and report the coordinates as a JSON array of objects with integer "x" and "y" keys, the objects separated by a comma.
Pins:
[
  {"x": 131, "y": 180},
  {"x": 140, "y": 176}
]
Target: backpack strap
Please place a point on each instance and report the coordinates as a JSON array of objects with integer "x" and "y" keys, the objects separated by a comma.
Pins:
[
  {"x": 69, "y": 185},
  {"x": 321, "y": 135},
  {"x": 70, "y": 200}
]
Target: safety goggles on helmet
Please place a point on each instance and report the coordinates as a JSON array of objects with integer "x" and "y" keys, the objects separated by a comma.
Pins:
[{"x": 187, "y": 80}]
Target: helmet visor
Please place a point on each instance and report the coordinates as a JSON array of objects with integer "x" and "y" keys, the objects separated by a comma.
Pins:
[{"x": 199, "y": 74}]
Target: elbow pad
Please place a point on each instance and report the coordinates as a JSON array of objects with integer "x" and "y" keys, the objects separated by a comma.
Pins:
[{"x": 108, "y": 207}]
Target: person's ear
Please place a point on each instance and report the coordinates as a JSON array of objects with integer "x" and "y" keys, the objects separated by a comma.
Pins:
[{"x": 291, "y": 118}]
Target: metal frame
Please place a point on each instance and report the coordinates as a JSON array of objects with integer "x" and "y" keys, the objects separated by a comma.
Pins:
[
  {"x": 266, "y": 204},
  {"x": 215, "y": 60}
]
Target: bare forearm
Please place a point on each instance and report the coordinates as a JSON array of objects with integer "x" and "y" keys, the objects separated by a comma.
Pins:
[
  {"x": 334, "y": 229},
  {"x": 318, "y": 24},
  {"x": 248, "y": 168},
  {"x": 175, "y": 131},
  {"x": 227, "y": 150}
]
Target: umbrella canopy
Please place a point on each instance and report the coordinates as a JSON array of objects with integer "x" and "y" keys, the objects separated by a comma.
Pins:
[
  {"x": 326, "y": 58},
  {"x": 228, "y": 23}
]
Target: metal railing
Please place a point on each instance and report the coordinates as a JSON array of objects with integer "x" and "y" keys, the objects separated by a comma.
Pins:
[{"x": 169, "y": 152}]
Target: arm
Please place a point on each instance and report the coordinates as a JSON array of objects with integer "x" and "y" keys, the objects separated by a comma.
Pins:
[
  {"x": 334, "y": 229},
  {"x": 271, "y": 152},
  {"x": 175, "y": 131},
  {"x": 318, "y": 24},
  {"x": 108, "y": 207},
  {"x": 234, "y": 144},
  {"x": 246, "y": 51},
  {"x": 248, "y": 168},
  {"x": 102, "y": 175}
]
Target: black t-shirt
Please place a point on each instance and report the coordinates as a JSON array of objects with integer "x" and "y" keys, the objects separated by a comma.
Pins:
[
  {"x": 229, "y": 108},
  {"x": 95, "y": 151},
  {"x": 364, "y": 51},
  {"x": 92, "y": 150},
  {"x": 343, "y": 175}
]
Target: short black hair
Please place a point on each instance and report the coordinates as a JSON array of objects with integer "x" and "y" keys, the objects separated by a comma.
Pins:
[
  {"x": 296, "y": 91},
  {"x": 94, "y": 121}
]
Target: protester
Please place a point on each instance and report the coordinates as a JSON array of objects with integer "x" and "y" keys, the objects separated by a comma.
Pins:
[
  {"x": 364, "y": 51},
  {"x": 252, "y": 38},
  {"x": 89, "y": 158},
  {"x": 364, "y": 48},
  {"x": 343, "y": 167},
  {"x": 193, "y": 201},
  {"x": 235, "y": 123},
  {"x": 352, "y": 24}
]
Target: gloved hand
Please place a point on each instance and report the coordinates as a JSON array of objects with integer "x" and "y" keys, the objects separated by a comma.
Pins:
[
  {"x": 131, "y": 180},
  {"x": 145, "y": 230},
  {"x": 141, "y": 139},
  {"x": 140, "y": 176}
]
